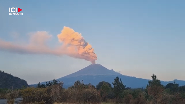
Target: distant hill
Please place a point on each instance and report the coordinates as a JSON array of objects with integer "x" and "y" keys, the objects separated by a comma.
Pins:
[
  {"x": 8, "y": 81},
  {"x": 96, "y": 73}
]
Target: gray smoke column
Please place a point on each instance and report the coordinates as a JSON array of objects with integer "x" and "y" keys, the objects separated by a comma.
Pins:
[{"x": 73, "y": 41}]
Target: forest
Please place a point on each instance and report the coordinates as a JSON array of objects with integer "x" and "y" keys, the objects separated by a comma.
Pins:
[{"x": 103, "y": 93}]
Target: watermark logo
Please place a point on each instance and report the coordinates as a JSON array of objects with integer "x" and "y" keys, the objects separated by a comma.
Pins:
[{"x": 15, "y": 11}]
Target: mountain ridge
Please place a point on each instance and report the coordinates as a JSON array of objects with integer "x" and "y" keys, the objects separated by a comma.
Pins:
[{"x": 96, "y": 73}]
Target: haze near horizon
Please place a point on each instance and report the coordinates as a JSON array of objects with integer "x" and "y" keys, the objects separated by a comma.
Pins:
[{"x": 135, "y": 38}]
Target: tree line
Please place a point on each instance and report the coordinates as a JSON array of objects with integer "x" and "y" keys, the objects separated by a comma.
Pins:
[{"x": 80, "y": 93}]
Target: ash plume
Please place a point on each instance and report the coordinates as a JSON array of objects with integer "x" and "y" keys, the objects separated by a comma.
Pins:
[
  {"x": 73, "y": 44},
  {"x": 76, "y": 43}
]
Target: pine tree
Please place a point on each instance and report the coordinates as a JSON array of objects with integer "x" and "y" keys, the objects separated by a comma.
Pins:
[{"x": 118, "y": 88}]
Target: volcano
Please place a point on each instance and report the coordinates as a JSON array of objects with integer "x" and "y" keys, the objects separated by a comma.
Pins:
[
  {"x": 96, "y": 73},
  {"x": 93, "y": 70}
]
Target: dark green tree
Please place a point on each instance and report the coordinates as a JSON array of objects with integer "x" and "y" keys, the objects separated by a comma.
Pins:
[
  {"x": 100, "y": 84},
  {"x": 43, "y": 86},
  {"x": 118, "y": 88},
  {"x": 173, "y": 87},
  {"x": 105, "y": 89},
  {"x": 55, "y": 82},
  {"x": 181, "y": 88}
]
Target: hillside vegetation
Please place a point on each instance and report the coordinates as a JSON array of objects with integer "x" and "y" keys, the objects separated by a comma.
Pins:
[{"x": 8, "y": 81}]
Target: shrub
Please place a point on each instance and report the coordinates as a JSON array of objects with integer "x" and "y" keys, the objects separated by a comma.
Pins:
[
  {"x": 3, "y": 93},
  {"x": 79, "y": 94},
  {"x": 31, "y": 95},
  {"x": 127, "y": 99},
  {"x": 90, "y": 96},
  {"x": 11, "y": 95},
  {"x": 140, "y": 99}
]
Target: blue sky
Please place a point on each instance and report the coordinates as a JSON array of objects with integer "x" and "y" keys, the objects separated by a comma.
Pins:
[{"x": 134, "y": 37}]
